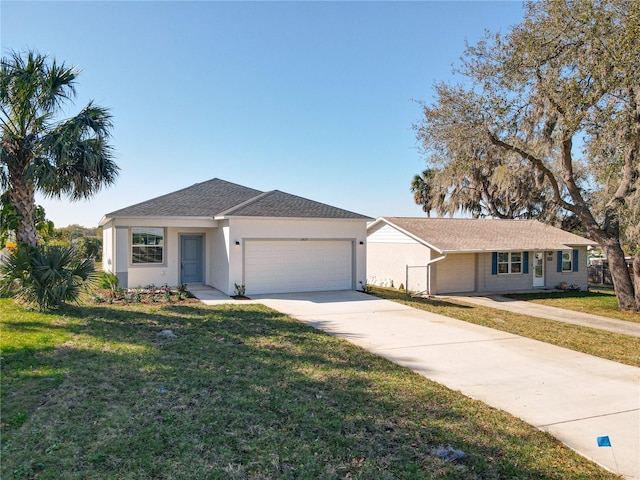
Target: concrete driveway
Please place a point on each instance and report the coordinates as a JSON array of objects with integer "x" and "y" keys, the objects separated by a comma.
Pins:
[{"x": 573, "y": 396}]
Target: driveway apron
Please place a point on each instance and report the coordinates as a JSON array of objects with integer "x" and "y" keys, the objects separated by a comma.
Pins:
[{"x": 574, "y": 396}]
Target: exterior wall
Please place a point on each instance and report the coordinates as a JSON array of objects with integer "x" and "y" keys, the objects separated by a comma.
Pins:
[
  {"x": 579, "y": 278},
  {"x": 486, "y": 282},
  {"x": 257, "y": 228},
  {"x": 388, "y": 254},
  {"x": 220, "y": 257},
  {"x": 223, "y": 259},
  {"x": 130, "y": 275},
  {"x": 456, "y": 273},
  {"x": 169, "y": 272},
  {"x": 121, "y": 255},
  {"x": 387, "y": 265},
  {"x": 108, "y": 244}
]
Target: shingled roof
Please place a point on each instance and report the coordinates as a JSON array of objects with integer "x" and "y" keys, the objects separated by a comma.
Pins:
[
  {"x": 217, "y": 198},
  {"x": 449, "y": 235}
]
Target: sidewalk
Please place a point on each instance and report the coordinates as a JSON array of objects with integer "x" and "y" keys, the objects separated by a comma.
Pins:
[{"x": 551, "y": 313}]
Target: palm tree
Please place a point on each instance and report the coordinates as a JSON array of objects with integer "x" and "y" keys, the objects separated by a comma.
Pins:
[
  {"x": 38, "y": 152},
  {"x": 421, "y": 189}
]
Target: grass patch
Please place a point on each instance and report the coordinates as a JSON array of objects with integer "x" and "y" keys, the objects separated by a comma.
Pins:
[
  {"x": 598, "y": 302},
  {"x": 242, "y": 392},
  {"x": 612, "y": 346}
]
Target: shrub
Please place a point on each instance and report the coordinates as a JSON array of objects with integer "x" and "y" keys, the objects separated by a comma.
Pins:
[
  {"x": 90, "y": 247},
  {"x": 240, "y": 290},
  {"x": 46, "y": 277},
  {"x": 109, "y": 281}
]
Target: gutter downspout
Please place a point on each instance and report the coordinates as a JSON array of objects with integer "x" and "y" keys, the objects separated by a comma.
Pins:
[{"x": 428, "y": 265}]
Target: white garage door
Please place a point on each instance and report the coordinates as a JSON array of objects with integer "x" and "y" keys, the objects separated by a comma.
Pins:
[{"x": 281, "y": 266}]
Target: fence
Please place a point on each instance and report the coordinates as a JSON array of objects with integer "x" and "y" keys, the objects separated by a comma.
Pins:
[
  {"x": 417, "y": 280},
  {"x": 601, "y": 275}
]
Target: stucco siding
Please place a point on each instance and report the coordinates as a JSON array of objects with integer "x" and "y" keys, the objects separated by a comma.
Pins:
[
  {"x": 121, "y": 255},
  {"x": 108, "y": 243},
  {"x": 241, "y": 229},
  {"x": 387, "y": 265},
  {"x": 169, "y": 271},
  {"x": 220, "y": 257}
]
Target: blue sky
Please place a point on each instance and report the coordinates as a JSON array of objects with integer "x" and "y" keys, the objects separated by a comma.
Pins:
[{"x": 316, "y": 99}]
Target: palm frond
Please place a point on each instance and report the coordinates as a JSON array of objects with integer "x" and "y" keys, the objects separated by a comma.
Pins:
[
  {"x": 79, "y": 160},
  {"x": 46, "y": 277}
]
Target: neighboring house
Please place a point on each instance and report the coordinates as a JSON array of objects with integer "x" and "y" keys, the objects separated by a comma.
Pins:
[
  {"x": 222, "y": 234},
  {"x": 451, "y": 255}
]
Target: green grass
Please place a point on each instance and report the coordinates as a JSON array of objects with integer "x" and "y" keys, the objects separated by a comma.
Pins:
[
  {"x": 612, "y": 346},
  {"x": 242, "y": 392},
  {"x": 596, "y": 302}
]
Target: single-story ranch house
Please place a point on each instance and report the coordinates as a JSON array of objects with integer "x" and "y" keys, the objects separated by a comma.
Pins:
[
  {"x": 452, "y": 255},
  {"x": 222, "y": 234}
]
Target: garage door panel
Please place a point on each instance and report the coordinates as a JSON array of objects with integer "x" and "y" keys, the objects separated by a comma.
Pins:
[{"x": 277, "y": 266}]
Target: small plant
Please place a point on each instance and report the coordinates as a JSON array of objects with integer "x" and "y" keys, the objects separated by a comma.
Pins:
[
  {"x": 109, "y": 281},
  {"x": 240, "y": 290},
  {"x": 364, "y": 287},
  {"x": 99, "y": 298}
]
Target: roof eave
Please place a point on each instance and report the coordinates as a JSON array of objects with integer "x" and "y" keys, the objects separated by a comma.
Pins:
[
  {"x": 110, "y": 217},
  {"x": 269, "y": 217}
]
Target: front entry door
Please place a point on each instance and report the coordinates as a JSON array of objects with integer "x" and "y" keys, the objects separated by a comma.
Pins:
[
  {"x": 191, "y": 258},
  {"x": 538, "y": 269}
]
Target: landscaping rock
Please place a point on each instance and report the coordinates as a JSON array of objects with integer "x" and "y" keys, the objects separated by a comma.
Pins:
[
  {"x": 448, "y": 453},
  {"x": 167, "y": 334}
]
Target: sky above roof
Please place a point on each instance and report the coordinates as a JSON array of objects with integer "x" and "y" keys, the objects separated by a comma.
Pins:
[{"x": 316, "y": 99}]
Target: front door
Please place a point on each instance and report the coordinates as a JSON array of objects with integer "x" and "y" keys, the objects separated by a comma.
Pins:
[
  {"x": 191, "y": 258},
  {"x": 538, "y": 269}
]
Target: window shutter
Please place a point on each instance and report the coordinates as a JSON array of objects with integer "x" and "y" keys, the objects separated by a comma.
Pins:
[
  {"x": 494, "y": 263},
  {"x": 575, "y": 260},
  {"x": 559, "y": 261},
  {"x": 525, "y": 262}
]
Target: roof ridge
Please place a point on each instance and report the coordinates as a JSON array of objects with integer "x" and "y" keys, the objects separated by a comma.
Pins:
[{"x": 245, "y": 203}]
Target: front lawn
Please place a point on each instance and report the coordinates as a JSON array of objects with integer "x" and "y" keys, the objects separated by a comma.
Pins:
[
  {"x": 596, "y": 302},
  {"x": 240, "y": 392}
]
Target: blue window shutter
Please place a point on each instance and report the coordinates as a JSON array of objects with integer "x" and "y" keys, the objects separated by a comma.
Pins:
[
  {"x": 525, "y": 261},
  {"x": 494, "y": 263},
  {"x": 559, "y": 261},
  {"x": 575, "y": 260}
]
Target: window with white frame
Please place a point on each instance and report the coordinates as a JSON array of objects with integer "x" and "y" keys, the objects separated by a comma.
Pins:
[
  {"x": 509, "y": 262},
  {"x": 147, "y": 245},
  {"x": 567, "y": 262}
]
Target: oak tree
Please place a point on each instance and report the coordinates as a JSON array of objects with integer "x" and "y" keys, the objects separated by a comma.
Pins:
[{"x": 553, "y": 103}]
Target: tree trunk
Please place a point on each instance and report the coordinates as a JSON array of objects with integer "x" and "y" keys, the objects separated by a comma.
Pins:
[
  {"x": 622, "y": 281},
  {"x": 636, "y": 278},
  {"x": 22, "y": 197}
]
